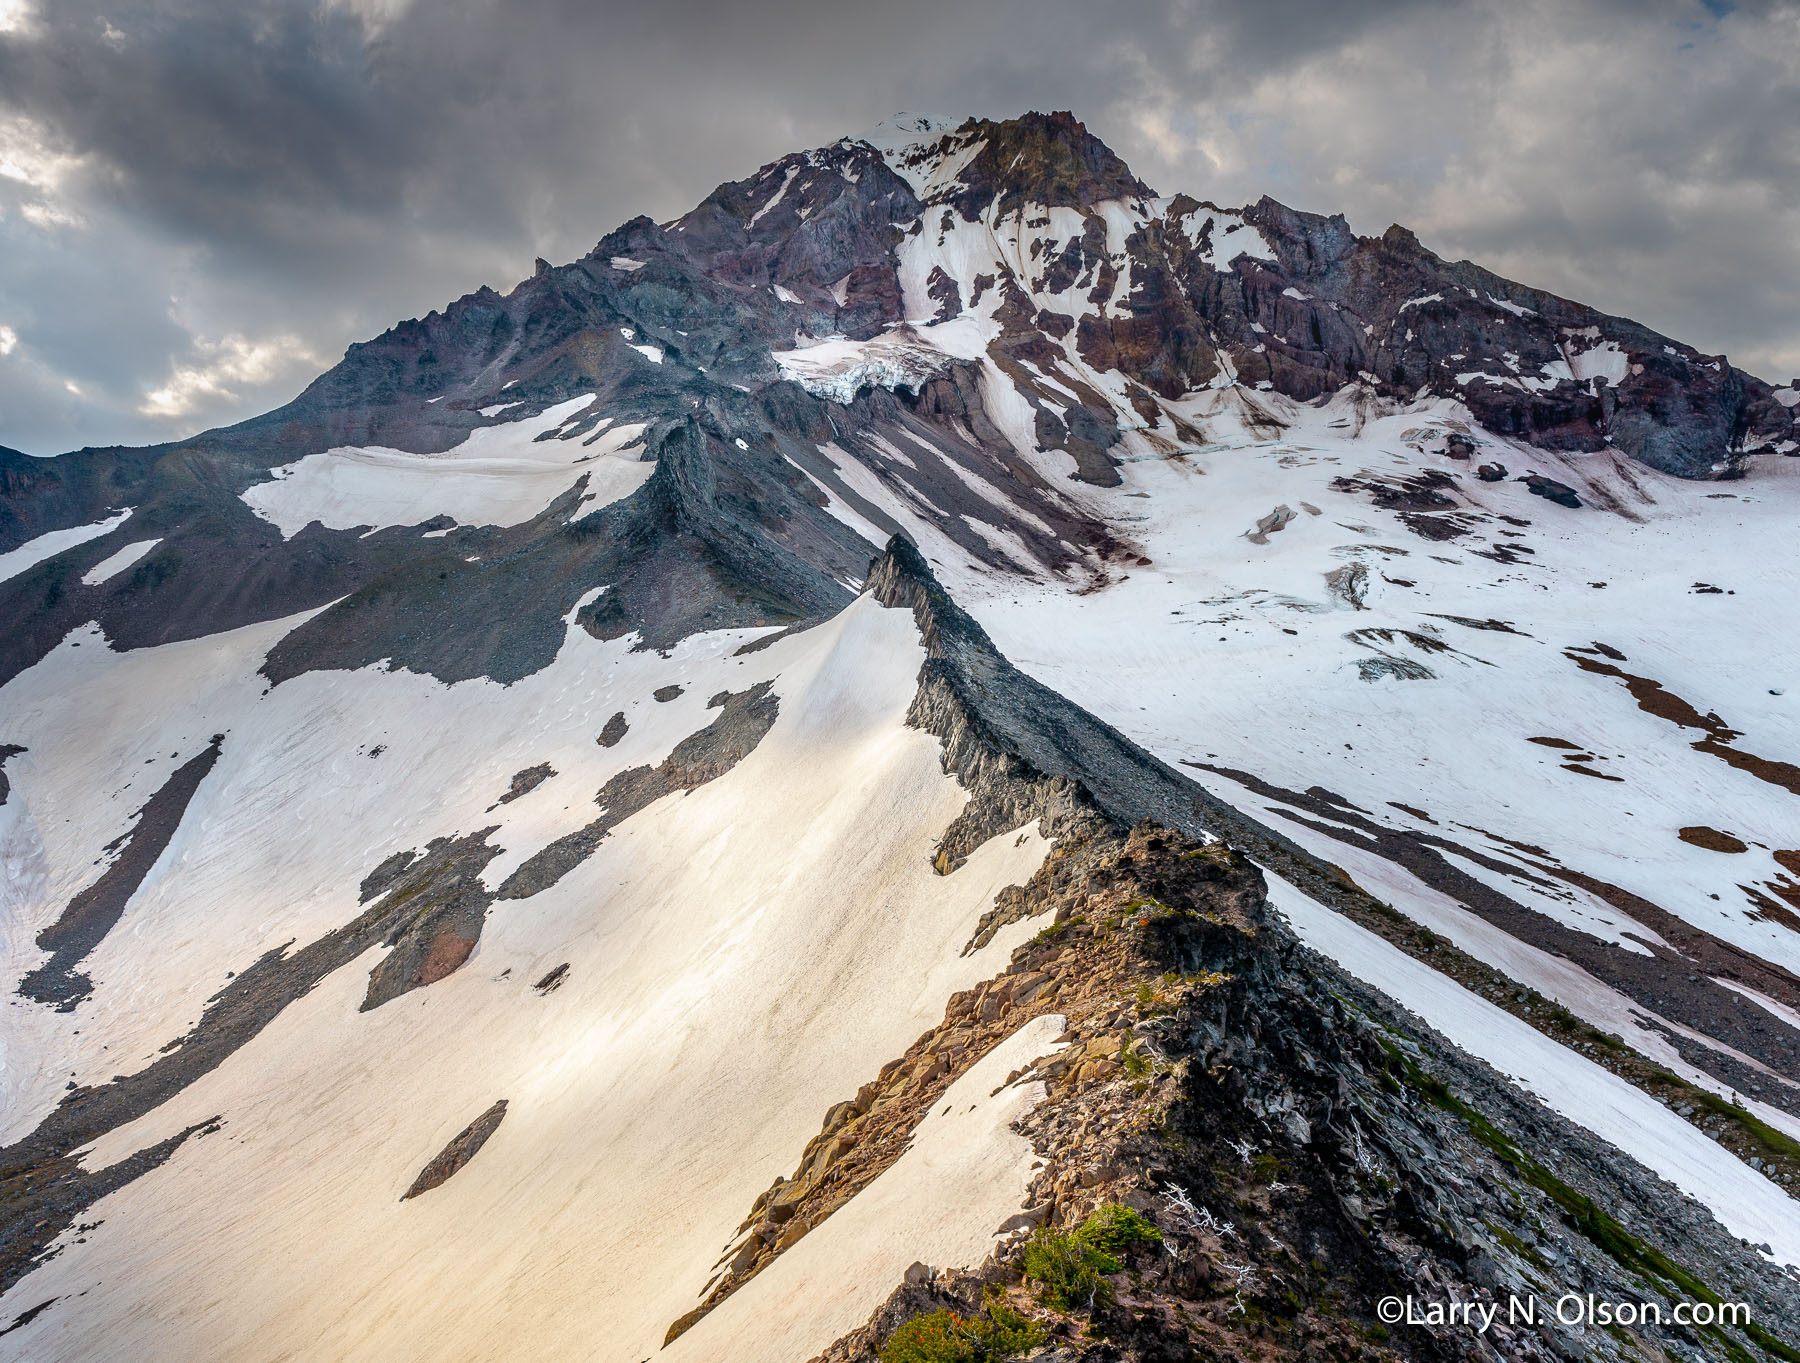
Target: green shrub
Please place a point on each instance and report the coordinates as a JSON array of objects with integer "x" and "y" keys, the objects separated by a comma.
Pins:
[
  {"x": 1114, "y": 1229},
  {"x": 1071, "y": 1270},
  {"x": 1070, "y": 1275},
  {"x": 1007, "y": 1332},
  {"x": 1055, "y": 930},
  {"x": 941, "y": 1337},
  {"x": 946, "y": 1337}
]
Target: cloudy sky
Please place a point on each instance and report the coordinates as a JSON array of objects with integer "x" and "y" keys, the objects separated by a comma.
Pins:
[{"x": 202, "y": 202}]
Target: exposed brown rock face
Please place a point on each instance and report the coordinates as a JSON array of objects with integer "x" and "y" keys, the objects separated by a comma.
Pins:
[
  {"x": 1048, "y": 159},
  {"x": 448, "y": 950},
  {"x": 524, "y": 782},
  {"x": 1071, "y": 971},
  {"x": 735, "y": 532},
  {"x": 1712, "y": 839},
  {"x": 462, "y": 1148},
  {"x": 438, "y": 905},
  {"x": 1385, "y": 1174},
  {"x": 1333, "y": 308}
]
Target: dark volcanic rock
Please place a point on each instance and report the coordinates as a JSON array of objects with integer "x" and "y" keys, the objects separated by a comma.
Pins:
[
  {"x": 1290, "y": 1132},
  {"x": 733, "y": 530},
  {"x": 1560, "y": 493},
  {"x": 8, "y": 751},
  {"x": 442, "y": 905},
  {"x": 524, "y": 782},
  {"x": 462, "y": 1148},
  {"x": 91, "y": 914},
  {"x": 700, "y": 757}
]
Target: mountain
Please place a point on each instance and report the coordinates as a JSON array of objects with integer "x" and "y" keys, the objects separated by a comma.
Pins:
[{"x": 964, "y": 687}]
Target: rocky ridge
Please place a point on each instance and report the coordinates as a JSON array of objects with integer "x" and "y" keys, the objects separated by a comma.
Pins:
[
  {"x": 1289, "y": 1131},
  {"x": 1303, "y": 1148}
]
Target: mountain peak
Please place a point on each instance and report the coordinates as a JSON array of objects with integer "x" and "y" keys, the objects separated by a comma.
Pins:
[
  {"x": 1049, "y": 159},
  {"x": 903, "y": 132}
]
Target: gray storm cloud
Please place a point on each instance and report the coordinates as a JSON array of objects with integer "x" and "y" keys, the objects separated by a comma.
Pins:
[{"x": 202, "y": 202}]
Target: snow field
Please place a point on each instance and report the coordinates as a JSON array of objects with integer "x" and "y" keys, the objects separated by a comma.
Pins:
[
  {"x": 499, "y": 475},
  {"x": 724, "y": 989}
]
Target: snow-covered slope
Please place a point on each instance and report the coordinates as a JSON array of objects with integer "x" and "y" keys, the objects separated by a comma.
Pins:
[
  {"x": 463, "y": 830},
  {"x": 1540, "y": 684},
  {"x": 721, "y": 989}
]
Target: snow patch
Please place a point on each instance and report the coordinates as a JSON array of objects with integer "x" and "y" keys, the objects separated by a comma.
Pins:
[
  {"x": 49, "y": 545},
  {"x": 115, "y": 564},
  {"x": 500, "y": 475},
  {"x": 838, "y": 369},
  {"x": 1607, "y": 360},
  {"x": 1231, "y": 237},
  {"x": 780, "y": 194}
]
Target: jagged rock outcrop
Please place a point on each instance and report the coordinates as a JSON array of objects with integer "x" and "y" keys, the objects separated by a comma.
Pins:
[
  {"x": 1305, "y": 1149},
  {"x": 1291, "y": 1133}
]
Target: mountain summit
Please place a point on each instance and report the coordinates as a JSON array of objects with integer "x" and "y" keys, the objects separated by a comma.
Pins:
[{"x": 943, "y": 747}]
